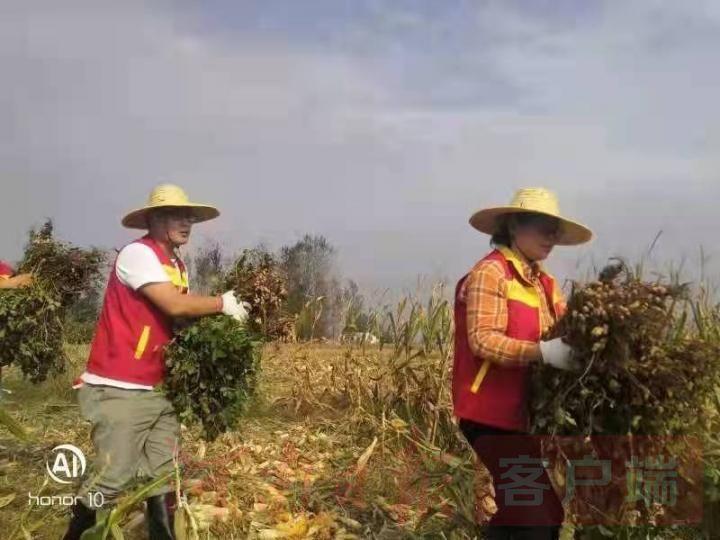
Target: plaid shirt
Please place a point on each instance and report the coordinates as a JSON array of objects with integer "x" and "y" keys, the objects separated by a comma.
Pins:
[{"x": 485, "y": 295}]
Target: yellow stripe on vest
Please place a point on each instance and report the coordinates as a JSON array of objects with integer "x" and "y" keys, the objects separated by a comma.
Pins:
[
  {"x": 142, "y": 342},
  {"x": 177, "y": 278},
  {"x": 480, "y": 376},
  {"x": 526, "y": 294}
]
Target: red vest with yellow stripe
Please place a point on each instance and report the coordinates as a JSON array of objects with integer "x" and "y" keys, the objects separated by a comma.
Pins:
[
  {"x": 132, "y": 332},
  {"x": 497, "y": 395}
]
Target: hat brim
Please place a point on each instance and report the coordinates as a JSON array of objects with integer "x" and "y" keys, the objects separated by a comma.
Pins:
[
  {"x": 572, "y": 233},
  {"x": 137, "y": 219}
]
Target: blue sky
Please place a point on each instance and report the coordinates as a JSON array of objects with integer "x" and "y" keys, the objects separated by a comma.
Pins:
[{"x": 380, "y": 124}]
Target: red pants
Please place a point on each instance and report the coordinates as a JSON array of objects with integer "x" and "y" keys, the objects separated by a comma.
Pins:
[{"x": 528, "y": 507}]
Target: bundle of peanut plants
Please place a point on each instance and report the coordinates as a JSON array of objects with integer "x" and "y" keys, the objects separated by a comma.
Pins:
[
  {"x": 211, "y": 369},
  {"x": 642, "y": 370},
  {"x": 256, "y": 278},
  {"x": 649, "y": 355},
  {"x": 31, "y": 318},
  {"x": 212, "y": 364}
]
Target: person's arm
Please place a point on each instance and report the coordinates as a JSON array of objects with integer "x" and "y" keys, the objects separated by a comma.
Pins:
[
  {"x": 487, "y": 317},
  {"x": 174, "y": 304},
  {"x": 138, "y": 268},
  {"x": 15, "y": 282}
]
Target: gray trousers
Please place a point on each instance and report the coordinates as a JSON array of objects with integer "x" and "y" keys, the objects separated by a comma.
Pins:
[{"x": 135, "y": 434}]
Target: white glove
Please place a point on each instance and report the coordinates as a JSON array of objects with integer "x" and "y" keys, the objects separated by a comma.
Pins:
[
  {"x": 558, "y": 354},
  {"x": 233, "y": 308}
]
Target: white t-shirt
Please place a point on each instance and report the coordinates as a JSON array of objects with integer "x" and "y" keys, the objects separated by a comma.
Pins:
[{"x": 136, "y": 265}]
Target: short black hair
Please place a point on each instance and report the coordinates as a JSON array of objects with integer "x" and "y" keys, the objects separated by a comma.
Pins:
[{"x": 501, "y": 236}]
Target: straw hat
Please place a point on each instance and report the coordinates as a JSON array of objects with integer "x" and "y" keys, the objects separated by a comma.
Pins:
[
  {"x": 164, "y": 196},
  {"x": 535, "y": 201}
]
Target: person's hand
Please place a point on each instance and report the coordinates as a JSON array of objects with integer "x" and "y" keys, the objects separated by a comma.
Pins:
[
  {"x": 233, "y": 308},
  {"x": 22, "y": 280},
  {"x": 558, "y": 354}
]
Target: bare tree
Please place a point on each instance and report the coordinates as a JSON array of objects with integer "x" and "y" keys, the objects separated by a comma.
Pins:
[
  {"x": 207, "y": 269},
  {"x": 309, "y": 266}
]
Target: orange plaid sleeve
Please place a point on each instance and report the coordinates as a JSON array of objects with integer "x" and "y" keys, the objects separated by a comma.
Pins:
[{"x": 485, "y": 294}]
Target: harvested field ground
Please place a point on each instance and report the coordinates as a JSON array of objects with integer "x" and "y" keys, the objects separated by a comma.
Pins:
[
  {"x": 333, "y": 447},
  {"x": 302, "y": 464}
]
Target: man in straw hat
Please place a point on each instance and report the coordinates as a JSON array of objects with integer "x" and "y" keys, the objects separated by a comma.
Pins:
[
  {"x": 134, "y": 428},
  {"x": 502, "y": 308}
]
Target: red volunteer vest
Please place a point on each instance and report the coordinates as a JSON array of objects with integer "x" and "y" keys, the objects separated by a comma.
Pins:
[
  {"x": 497, "y": 395},
  {"x": 131, "y": 332}
]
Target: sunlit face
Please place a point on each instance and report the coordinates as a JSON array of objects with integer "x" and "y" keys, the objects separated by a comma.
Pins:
[
  {"x": 535, "y": 235},
  {"x": 175, "y": 224}
]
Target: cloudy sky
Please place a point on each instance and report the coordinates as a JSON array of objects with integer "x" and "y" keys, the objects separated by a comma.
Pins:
[{"x": 380, "y": 124}]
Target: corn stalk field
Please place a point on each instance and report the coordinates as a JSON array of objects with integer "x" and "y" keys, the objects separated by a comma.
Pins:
[{"x": 340, "y": 441}]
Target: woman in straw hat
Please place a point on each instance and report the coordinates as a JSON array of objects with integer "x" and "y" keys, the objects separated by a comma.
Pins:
[
  {"x": 134, "y": 428},
  {"x": 502, "y": 308}
]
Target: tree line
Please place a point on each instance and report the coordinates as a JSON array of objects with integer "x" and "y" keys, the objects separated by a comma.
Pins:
[
  {"x": 296, "y": 291},
  {"x": 316, "y": 300}
]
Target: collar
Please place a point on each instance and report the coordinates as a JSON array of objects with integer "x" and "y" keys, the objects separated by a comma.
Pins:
[
  {"x": 174, "y": 254},
  {"x": 526, "y": 271}
]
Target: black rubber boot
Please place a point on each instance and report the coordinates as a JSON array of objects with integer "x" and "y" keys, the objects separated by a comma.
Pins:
[
  {"x": 161, "y": 516},
  {"x": 82, "y": 519}
]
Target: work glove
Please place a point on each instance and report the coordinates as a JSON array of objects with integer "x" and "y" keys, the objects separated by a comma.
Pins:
[
  {"x": 558, "y": 354},
  {"x": 233, "y": 308}
]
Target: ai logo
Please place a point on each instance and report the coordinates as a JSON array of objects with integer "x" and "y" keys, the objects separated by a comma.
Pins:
[{"x": 65, "y": 464}]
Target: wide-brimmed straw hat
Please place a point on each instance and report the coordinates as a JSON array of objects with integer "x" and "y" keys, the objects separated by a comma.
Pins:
[
  {"x": 168, "y": 196},
  {"x": 534, "y": 201}
]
